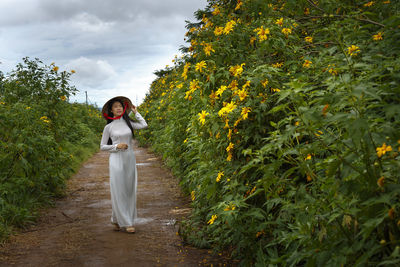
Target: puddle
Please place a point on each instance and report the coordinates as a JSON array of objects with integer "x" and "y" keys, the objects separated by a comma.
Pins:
[
  {"x": 168, "y": 222},
  {"x": 92, "y": 165},
  {"x": 102, "y": 203},
  {"x": 143, "y": 220},
  {"x": 144, "y": 164}
]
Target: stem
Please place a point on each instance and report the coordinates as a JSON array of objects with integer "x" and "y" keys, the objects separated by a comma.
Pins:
[
  {"x": 342, "y": 159},
  {"x": 315, "y": 6}
]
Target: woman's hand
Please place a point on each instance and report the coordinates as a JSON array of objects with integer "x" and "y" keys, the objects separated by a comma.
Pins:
[
  {"x": 134, "y": 109},
  {"x": 122, "y": 146}
]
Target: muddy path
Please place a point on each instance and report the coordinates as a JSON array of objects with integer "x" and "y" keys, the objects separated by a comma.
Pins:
[{"x": 77, "y": 231}]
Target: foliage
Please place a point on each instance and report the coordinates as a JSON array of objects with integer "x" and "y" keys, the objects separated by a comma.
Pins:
[
  {"x": 43, "y": 139},
  {"x": 282, "y": 121}
]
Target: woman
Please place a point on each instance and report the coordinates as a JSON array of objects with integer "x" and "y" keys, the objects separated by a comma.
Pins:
[{"x": 117, "y": 139}]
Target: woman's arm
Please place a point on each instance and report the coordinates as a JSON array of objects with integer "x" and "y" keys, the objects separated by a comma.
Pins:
[
  {"x": 104, "y": 140},
  {"x": 141, "y": 124}
]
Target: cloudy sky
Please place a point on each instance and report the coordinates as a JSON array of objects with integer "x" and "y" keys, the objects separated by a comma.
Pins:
[{"x": 113, "y": 45}]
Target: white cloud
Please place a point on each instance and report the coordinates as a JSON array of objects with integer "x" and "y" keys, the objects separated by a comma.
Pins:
[
  {"x": 90, "y": 72},
  {"x": 89, "y": 23},
  {"x": 113, "y": 45}
]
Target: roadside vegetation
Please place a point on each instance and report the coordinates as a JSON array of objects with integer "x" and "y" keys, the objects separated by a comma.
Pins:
[{"x": 282, "y": 121}]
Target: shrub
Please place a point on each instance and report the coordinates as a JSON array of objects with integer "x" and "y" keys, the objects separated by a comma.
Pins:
[
  {"x": 282, "y": 121},
  {"x": 43, "y": 138}
]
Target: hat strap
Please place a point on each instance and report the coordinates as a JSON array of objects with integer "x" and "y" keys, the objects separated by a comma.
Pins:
[{"x": 116, "y": 118}]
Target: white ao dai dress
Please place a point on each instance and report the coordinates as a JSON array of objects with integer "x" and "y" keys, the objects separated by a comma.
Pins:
[{"x": 123, "y": 172}]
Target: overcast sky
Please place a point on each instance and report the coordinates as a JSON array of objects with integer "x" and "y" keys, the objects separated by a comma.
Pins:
[{"x": 113, "y": 45}]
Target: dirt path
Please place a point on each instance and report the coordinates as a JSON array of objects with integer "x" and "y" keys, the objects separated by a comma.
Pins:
[{"x": 77, "y": 231}]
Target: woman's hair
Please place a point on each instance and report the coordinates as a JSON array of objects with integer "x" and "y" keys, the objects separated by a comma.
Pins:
[{"x": 126, "y": 117}]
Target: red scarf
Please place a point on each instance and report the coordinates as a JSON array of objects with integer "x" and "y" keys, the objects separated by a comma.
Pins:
[{"x": 116, "y": 118}]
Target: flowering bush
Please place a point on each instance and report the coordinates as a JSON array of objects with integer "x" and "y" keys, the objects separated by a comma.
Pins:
[
  {"x": 282, "y": 122},
  {"x": 43, "y": 138}
]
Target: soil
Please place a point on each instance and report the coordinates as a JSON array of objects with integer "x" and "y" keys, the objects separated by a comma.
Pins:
[{"x": 77, "y": 230}]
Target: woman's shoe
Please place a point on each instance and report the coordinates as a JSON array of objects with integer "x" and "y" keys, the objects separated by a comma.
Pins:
[
  {"x": 129, "y": 230},
  {"x": 116, "y": 227}
]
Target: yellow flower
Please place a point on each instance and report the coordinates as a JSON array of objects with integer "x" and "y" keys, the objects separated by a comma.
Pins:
[
  {"x": 202, "y": 116},
  {"x": 192, "y": 194},
  {"x": 237, "y": 70},
  {"x": 208, "y": 49},
  {"x": 279, "y": 22},
  {"x": 233, "y": 85},
  {"x": 227, "y": 109},
  {"x": 242, "y": 94},
  {"x": 264, "y": 83},
  {"x": 218, "y": 31},
  {"x": 230, "y": 147},
  {"x": 307, "y": 63},
  {"x": 213, "y": 218},
  {"x": 239, "y": 4},
  {"x": 185, "y": 141},
  {"x": 308, "y": 157},
  {"x": 63, "y": 98},
  {"x": 377, "y": 36},
  {"x": 230, "y": 207},
  {"x": 220, "y": 174},
  {"x": 200, "y": 66},
  {"x": 185, "y": 70},
  {"x": 229, "y": 135},
  {"x": 277, "y": 65},
  {"x": 237, "y": 121},
  {"x": 229, "y": 158},
  {"x": 245, "y": 112},
  {"x": 307, "y": 11},
  {"x": 308, "y": 39},
  {"x": 55, "y": 68},
  {"x": 260, "y": 233},
  {"x": 331, "y": 69},
  {"x": 353, "y": 50},
  {"x": 262, "y": 33},
  {"x": 380, "y": 151},
  {"x": 45, "y": 119},
  {"x": 194, "y": 85},
  {"x": 216, "y": 11},
  {"x": 275, "y": 90},
  {"x": 369, "y": 4},
  {"x": 229, "y": 26},
  {"x": 247, "y": 84},
  {"x": 220, "y": 90},
  {"x": 286, "y": 31},
  {"x": 26, "y": 107},
  {"x": 319, "y": 133}
]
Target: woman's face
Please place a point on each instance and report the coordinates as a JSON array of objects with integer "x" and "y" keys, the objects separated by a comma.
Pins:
[{"x": 117, "y": 109}]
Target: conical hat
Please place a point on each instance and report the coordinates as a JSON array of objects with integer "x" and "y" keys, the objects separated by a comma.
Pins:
[{"x": 123, "y": 100}]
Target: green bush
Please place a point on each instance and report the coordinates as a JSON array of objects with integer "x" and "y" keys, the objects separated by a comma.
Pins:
[
  {"x": 43, "y": 139},
  {"x": 284, "y": 128}
]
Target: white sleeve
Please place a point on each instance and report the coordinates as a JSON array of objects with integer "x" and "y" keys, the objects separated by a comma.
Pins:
[
  {"x": 104, "y": 140},
  {"x": 141, "y": 124}
]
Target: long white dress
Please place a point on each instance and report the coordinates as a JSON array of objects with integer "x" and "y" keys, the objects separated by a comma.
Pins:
[{"x": 123, "y": 172}]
